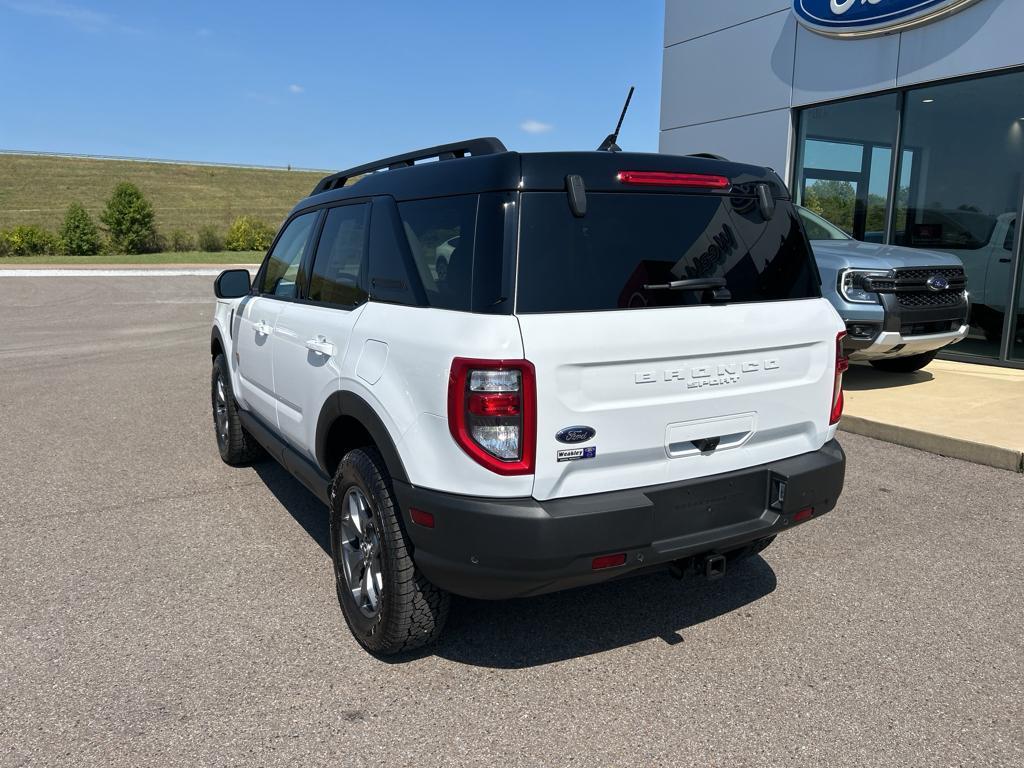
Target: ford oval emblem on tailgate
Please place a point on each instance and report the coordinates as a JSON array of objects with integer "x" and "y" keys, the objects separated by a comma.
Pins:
[{"x": 575, "y": 434}]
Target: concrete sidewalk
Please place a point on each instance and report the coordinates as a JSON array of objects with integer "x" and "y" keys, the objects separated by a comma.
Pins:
[{"x": 971, "y": 412}]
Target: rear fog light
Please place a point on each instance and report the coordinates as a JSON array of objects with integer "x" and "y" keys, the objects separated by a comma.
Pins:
[
  {"x": 803, "y": 515},
  {"x": 609, "y": 561},
  {"x": 426, "y": 519}
]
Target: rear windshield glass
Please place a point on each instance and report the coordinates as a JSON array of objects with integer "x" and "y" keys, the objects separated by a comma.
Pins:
[{"x": 627, "y": 244}]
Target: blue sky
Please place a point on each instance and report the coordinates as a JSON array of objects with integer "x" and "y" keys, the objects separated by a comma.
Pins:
[{"x": 324, "y": 84}]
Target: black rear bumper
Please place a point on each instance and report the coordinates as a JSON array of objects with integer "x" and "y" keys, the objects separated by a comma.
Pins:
[{"x": 501, "y": 548}]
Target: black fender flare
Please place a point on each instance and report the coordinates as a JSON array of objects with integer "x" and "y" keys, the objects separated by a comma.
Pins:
[
  {"x": 216, "y": 337},
  {"x": 350, "y": 404}
]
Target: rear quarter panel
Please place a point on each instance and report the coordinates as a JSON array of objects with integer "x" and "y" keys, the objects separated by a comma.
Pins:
[{"x": 399, "y": 361}]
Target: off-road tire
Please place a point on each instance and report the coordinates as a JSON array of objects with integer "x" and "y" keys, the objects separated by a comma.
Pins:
[
  {"x": 412, "y": 611},
  {"x": 904, "y": 364},
  {"x": 237, "y": 447}
]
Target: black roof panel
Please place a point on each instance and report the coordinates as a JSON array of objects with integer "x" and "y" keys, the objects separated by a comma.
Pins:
[{"x": 540, "y": 171}]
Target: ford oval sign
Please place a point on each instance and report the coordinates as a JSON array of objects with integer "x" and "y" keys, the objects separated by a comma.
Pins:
[
  {"x": 862, "y": 18},
  {"x": 575, "y": 434}
]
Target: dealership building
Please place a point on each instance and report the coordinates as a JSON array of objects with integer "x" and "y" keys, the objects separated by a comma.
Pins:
[{"x": 901, "y": 120}]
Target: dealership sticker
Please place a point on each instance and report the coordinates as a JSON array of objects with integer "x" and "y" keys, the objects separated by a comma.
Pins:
[{"x": 575, "y": 454}]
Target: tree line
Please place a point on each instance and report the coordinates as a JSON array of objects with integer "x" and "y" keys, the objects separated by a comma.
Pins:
[{"x": 127, "y": 224}]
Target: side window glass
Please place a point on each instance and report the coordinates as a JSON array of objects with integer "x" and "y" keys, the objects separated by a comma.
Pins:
[
  {"x": 281, "y": 273},
  {"x": 440, "y": 234},
  {"x": 1011, "y": 236},
  {"x": 339, "y": 257}
]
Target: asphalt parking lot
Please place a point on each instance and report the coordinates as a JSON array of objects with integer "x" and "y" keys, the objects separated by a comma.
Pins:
[{"x": 160, "y": 608}]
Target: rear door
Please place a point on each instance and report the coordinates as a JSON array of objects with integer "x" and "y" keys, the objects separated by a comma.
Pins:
[
  {"x": 669, "y": 384},
  {"x": 312, "y": 335},
  {"x": 277, "y": 284}
]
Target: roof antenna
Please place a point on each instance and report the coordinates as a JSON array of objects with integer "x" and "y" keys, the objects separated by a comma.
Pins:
[{"x": 609, "y": 145}]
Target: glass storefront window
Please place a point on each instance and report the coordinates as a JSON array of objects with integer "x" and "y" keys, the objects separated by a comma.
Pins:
[
  {"x": 959, "y": 186},
  {"x": 845, "y": 162},
  {"x": 962, "y": 169}
]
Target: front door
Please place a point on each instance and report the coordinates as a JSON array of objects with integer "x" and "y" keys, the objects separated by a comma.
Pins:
[
  {"x": 276, "y": 286},
  {"x": 312, "y": 336}
]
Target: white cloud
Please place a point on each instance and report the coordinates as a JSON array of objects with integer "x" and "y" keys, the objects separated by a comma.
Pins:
[
  {"x": 296, "y": 88},
  {"x": 204, "y": 32},
  {"x": 536, "y": 126}
]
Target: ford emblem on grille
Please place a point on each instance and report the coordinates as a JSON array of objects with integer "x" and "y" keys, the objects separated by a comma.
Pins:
[
  {"x": 575, "y": 434},
  {"x": 937, "y": 283}
]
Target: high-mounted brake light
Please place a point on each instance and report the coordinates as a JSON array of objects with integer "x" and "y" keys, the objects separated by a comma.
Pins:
[
  {"x": 668, "y": 179},
  {"x": 842, "y": 365},
  {"x": 492, "y": 413}
]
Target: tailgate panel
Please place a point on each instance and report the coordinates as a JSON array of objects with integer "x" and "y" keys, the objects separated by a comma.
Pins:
[{"x": 651, "y": 381}]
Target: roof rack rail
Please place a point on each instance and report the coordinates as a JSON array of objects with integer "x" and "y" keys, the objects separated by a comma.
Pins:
[
  {"x": 709, "y": 156},
  {"x": 485, "y": 146}
]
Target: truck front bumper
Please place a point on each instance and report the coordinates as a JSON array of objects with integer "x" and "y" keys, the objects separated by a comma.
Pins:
[
  {"x": 906, "y": 331},
  {"x": 890, "y": 344},
  {"x": 500, "y": 548}
]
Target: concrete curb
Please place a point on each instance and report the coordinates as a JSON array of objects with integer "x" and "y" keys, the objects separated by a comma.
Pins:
[{"x": 944, "y": 445}]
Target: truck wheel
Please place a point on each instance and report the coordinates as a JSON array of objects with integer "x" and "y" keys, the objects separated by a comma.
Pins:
[
  {"x": 905, "y": 364},
  {"x": 387, "y": 603},
  {"x": 236, "y": 446}
]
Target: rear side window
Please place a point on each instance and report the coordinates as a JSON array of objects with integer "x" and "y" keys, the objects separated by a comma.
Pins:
[
  {"x": 629, "y": 243},
  {"x": 338, "y": 264},
  {"x": 440, "y": 235},
  {"x": 281, "y": 270}
]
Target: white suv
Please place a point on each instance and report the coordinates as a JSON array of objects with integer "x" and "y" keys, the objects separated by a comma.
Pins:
[{"x": 627, "y": 365}]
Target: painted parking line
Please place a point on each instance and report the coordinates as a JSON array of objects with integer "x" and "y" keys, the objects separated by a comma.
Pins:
[{"x": 110, "y": 272}]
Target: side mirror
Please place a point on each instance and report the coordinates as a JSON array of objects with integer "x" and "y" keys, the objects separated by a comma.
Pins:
[{"x": 232, "y": 284}]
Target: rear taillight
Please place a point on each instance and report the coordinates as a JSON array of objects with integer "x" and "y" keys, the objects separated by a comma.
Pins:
[
  {"x": 492, "y": 413},
  {"x": 667, "y": 179},
  {"x": 842, "y": 364}
]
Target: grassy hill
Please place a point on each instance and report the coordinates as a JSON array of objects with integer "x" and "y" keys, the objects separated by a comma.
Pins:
[{"x": 36, "y": 190}]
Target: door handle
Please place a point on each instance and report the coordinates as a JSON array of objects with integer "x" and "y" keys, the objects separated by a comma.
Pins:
[
  {"x": 1004, "y": 261},
  {"x": 262, "y": 328},
  {"x": 321, "y": 346}
]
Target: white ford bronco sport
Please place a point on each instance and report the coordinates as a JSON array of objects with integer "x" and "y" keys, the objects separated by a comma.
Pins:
[{"x": 625, "y": 363}]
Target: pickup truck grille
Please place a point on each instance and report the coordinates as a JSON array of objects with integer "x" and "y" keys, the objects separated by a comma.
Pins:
[
  {"x": 931, "y": 299},
  {"x": 912, "y": 290},
  {"x": 921, "y": 274}
]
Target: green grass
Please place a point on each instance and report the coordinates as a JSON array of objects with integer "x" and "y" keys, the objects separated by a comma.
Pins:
[
  {"x": 37, "y": 190},
  {"x": 184, "y": 257}
]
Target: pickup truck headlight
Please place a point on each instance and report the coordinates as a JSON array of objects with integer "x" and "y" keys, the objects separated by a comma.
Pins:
[{"x": 852, "y": 285}]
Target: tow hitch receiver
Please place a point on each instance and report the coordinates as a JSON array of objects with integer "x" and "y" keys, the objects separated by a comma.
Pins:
[
  {"x": 714, "y": 567},
  {"x": 710, "y": 566}
]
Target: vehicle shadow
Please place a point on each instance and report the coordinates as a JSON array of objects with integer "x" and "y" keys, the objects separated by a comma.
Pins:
[
  {"x": 307, "y": 509},
  {"x": 862, "y": 378},
  {"x": 530, "y": 632}
]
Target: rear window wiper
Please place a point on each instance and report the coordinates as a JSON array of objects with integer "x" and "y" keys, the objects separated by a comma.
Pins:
[
  {"x": 713, "y": 286},
  {"x": 694, "y": 284}
]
